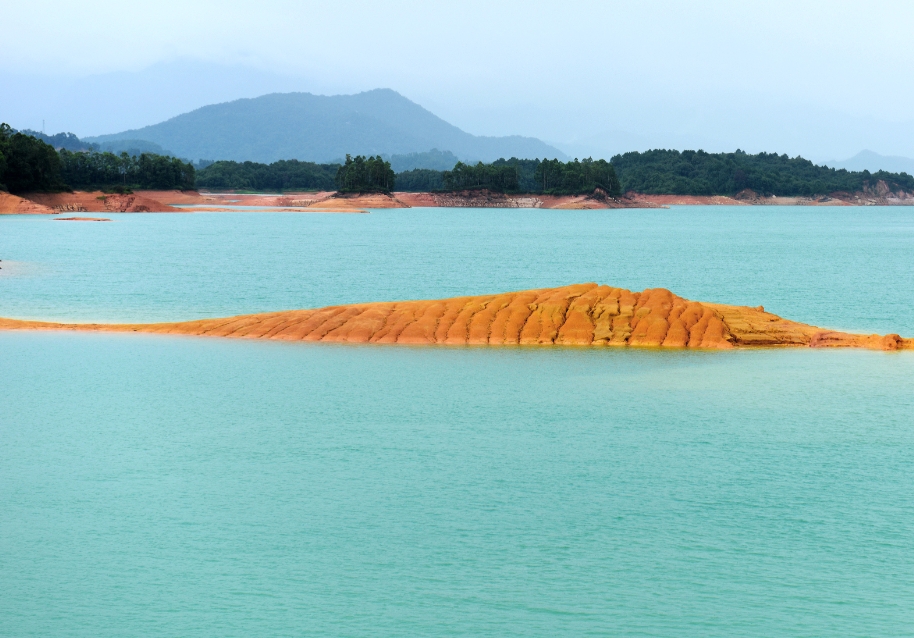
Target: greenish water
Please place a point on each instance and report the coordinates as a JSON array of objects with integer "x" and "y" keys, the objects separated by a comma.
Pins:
[
  {"x": 205, "y": 487},
  {"x": 847, "y": 268}
]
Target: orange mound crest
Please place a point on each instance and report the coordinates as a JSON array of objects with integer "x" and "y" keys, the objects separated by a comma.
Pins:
[{"x": 580, "y": 314}]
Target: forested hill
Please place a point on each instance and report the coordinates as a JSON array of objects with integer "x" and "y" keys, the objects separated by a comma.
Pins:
[
  {"x": 659, "y": 172},
  {"x": 30, "y": 164},
  {"x": 316, "y": 128},
  {"x": 652, "y": 172},
  {"x": 664, "y": 172}
]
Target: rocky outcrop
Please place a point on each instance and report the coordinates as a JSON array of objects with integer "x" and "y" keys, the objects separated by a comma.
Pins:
[{"x": 577, "y": 315}]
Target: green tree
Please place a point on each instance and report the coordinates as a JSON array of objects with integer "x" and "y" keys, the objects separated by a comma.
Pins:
[
  {"x": 502, "y": 178},
  {"x": 365, "y": 175},
  {"x": 699, "y": 173},
  {"x": 28, "y": 164},
  {"x": 107, "y": 171},
  {"x": 278, "y": 176},
  {"x": 553, "y": 177},
  {"x": 420, "y": 180}
]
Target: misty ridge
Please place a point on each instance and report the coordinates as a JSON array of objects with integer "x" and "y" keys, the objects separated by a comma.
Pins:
[
  {"x": 70, "y": 142},
  {"x": 324, "y": 129},
  {"x": 317, "y": 128},
  {"x": 289, "y": 141}
]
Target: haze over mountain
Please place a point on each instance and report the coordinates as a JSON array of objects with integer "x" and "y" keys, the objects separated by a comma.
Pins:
[
  {"x": 818, "y": 79},
  {"x": 322, "y": 128},
  {"x": 872, "y": 162}
]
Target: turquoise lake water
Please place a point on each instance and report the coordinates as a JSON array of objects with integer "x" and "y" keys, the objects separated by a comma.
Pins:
[{"x": 182, "y": 486}]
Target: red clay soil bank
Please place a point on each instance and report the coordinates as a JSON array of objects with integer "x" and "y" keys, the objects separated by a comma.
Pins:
[
  {"x": 486, "y": 199},
  {"x": 878, "y": 195},
  {"x": 338, "y": 203},
  {"x": 12, "y": 205},
  {"x": 172, "y": 197},
  {"x": 581, "y": 314},
  {"x": 745, "y": 199},
  {"x": 334, "y": 202},
  {"x": 98, "y": 202},
  {"x": 329, "y": 201},
  {"x": 216, "y": 200},
  {"x": 324, "y": 201}
]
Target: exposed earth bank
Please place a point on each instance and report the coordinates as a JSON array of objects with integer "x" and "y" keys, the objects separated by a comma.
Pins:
[
  {"x": 13, "y": 205},
  {"x": 487, "y": 199},
  {"x": 329, "y": 201},
  {"x": 580, "y": 314},
  {"x": 880, "y": 195},
  {"x": 91, "y": 202},
  {"x": 332, "y": 202}
]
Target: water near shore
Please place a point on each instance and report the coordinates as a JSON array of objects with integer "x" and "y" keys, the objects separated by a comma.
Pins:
[
  {"x": 845, "y": 268},
  {"x": 186, "y": 486}
]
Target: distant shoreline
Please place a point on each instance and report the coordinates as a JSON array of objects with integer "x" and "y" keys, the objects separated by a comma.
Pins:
[{"x": 332, "y": 202}]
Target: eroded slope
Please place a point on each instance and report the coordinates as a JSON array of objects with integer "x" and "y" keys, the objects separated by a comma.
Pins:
[{"x": 580, "y": 314}]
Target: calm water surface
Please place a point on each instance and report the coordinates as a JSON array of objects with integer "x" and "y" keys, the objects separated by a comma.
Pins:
[
  {"x": 850, "y": 268},
  {"x": 204, "y": 487}
]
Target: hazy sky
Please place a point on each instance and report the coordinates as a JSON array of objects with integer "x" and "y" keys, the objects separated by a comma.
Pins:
[{"x": 817, "y": 78}]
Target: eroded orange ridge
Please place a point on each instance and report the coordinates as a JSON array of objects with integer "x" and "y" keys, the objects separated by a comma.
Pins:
[{"x": 580, "y": 314}]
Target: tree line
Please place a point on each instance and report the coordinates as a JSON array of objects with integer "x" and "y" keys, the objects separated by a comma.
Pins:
[
  {"x": 30, "y": 164},
  {"x": 662, "y": 172},
  {"x": 278, "y": 176},
  {"x": 104, "y": 171},
  {"x": 659, "y": 172},
  {"x": 420, "y": 180},
  {"x": 357, "y": 174},
  {"x": 361, "y": 174},
  {"x": 549, "y": 177},
  {"x": 27, "y": 163}
]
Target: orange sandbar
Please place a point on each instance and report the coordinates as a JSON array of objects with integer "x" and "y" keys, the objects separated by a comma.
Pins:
[{"x": 580, "y": 314}]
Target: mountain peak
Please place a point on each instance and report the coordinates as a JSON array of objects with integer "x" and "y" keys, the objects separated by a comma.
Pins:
[{"x": 322, "y": 128}]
